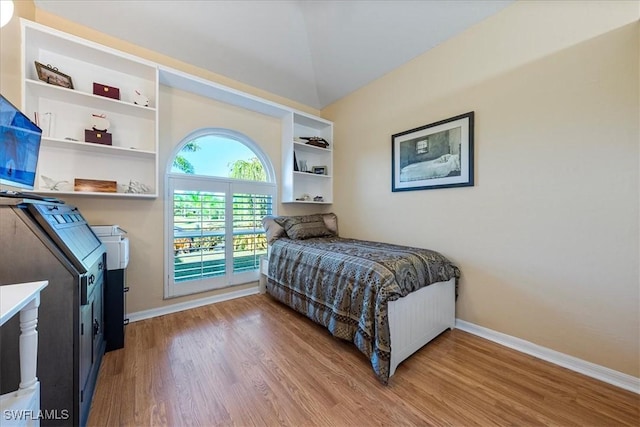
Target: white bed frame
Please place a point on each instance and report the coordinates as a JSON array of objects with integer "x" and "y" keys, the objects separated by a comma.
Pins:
[
  {"x": 419, "y": 317},
  {"x": 414, "y": 320}
]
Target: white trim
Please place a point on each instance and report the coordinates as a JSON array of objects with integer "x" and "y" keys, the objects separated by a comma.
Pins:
[
  {"x": 589, "y": 369},
  {"x": 175, "y": 308}
]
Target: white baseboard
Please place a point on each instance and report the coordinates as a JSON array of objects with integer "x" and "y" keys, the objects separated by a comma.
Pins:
[
  {"x": 589, "y": 369},
  {"x": 174, "y": 308}
]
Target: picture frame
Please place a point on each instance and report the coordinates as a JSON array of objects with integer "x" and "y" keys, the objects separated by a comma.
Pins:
[
  {"x": 51, "y": 75},
  {"x": 437, "y": 155},
  {"x": 319, "y": 170}
]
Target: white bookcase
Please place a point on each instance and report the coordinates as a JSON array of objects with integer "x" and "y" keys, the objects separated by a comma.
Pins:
[
  {"x": 300, "y": 183},
  {"x": 133, "y": 155},
  {"x": 64, "y": 114}
]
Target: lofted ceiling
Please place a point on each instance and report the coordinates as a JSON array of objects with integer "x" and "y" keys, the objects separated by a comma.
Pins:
[{"x": 312, "y": 52}]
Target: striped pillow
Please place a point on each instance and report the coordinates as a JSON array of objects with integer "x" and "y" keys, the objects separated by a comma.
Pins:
[{"x": 304, "y": 227}]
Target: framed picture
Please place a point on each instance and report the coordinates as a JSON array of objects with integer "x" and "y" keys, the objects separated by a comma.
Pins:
[
  {"x": 51, "y": 75},
  {"x": 319, "y": 170},
  {"x": 438, "y": 155}
]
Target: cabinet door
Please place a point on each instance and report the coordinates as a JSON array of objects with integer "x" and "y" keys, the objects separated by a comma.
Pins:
[
  {"x": 98, "y": 320},
  {"x": 86, "y": 341},
  {"x": 114, "y": 308}
]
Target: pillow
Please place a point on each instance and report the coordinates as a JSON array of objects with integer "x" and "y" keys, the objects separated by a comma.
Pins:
[
  {"x": 331, "y": 221},
  {"x": 304, "y": 226},
  {"x": 273, "y": 230}
]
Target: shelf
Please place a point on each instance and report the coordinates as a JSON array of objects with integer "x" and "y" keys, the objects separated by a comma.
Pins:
[
  {"x": 311, "y": 175},
  {"x": 310, "y": 202},
  {"x": 72, "y": 96},
  {"x": 96, "y": 148},
  {"x": 310, "y": 148},
  {"x": 93, "y": 193}
]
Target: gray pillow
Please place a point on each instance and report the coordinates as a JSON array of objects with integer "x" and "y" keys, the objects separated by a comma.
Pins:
[
  {"x": 273, "y": 230},
  {"x": 304, "y": 226},
  {"x": 331, "y": 221}
]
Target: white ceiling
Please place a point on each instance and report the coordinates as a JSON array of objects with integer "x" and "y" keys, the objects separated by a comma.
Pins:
[{"x": 313, "y": 52}]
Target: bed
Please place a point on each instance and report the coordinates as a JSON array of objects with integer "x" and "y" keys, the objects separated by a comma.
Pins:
[
  {"x": 388, "y": 300},
  {"x": 437, "y": 168}
]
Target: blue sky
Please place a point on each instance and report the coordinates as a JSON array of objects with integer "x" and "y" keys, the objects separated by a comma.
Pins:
[{"x": 215, "y": 154}]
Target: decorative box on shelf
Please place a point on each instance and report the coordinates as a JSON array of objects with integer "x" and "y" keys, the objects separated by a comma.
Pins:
[
  {"x": 107, "y": 91},
  {"x": 95, "y": 185},
  {"x": 97, "y": 137}
]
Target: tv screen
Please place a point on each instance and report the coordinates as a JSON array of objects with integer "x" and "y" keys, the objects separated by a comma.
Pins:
[{"x": 19, "y": 147}]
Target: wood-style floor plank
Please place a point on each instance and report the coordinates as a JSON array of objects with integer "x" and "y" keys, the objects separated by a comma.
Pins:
[{"x": 254, "y": 362}]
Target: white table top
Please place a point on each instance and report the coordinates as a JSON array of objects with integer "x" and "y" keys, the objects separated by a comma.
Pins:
[{"x": 14, "y": 298}]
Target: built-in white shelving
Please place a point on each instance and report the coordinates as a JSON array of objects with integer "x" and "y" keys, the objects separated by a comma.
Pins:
[
  {"x": 64, "y": 114},
  {"x": 132, "y": 157},
  {"x": 300, "y": 186}
]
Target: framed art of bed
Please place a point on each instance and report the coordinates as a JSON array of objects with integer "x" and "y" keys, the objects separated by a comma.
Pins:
[{"x": 437, "y": 155}]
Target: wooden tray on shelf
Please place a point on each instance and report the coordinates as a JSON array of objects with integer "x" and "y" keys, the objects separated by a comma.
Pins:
[{"x": 95, "y": 185}]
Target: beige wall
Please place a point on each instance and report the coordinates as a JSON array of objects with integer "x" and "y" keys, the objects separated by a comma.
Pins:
[
  {"x": 181, "y": 113},
  {"x": 547, "y": 239}
]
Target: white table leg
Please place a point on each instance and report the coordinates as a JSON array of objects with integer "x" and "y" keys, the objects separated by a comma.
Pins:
[{"x": 28, "y": 345}]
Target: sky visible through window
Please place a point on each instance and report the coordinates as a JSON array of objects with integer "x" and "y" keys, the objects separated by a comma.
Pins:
[{"x": 214, "y": 155}]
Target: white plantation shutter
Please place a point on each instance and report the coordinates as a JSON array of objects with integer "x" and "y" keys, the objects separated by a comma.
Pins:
[
  {"x": 249, "y": 203},
  {"x": 217, "y": 237},
  {"x": 249, "y": 239}
]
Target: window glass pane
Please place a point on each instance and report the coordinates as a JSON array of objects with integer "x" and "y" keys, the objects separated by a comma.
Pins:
[
  {"x": 218, "y": 156},
  {"x": 198, "y": 235},
  {"x": 422, "y": 146}
]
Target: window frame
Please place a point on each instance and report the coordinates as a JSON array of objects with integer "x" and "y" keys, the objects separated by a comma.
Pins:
[
  {"x": 422, "y": 148},
  {"x": 229, "y": 186}
]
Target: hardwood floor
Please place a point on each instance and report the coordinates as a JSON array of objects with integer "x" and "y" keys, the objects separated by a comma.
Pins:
[{"x": 252, "y": 361}]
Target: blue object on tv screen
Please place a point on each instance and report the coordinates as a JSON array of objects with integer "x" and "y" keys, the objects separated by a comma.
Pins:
[{"x": 19, "y": 147}]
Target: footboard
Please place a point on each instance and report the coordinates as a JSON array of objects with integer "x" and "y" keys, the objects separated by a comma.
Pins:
[{"x": 418, "y": 318}]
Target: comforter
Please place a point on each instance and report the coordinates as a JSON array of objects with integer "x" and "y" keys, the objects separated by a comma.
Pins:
[{"x": 346, "y": 284}]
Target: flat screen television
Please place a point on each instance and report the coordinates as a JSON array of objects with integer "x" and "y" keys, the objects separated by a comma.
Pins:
[{"x": 19, "y": 147}]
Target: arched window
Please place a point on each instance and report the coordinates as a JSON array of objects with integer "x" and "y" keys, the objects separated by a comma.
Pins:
[{"x": 219, "y": 187}]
